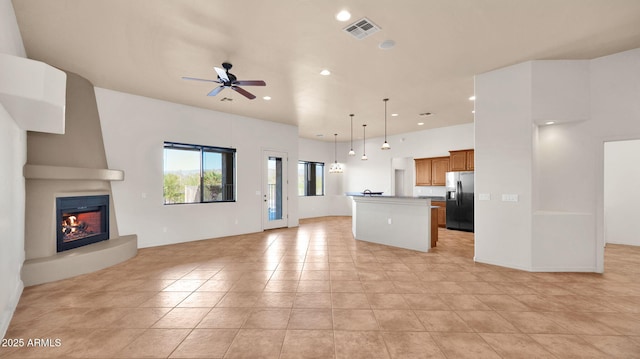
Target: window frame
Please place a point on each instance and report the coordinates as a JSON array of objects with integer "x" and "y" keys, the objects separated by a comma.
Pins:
[
  {"x": 226, "y": 172},
  {"x": 311, "y": 178}
]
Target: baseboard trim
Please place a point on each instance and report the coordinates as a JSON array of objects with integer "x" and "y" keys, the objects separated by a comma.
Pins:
[
  {"x": 540, "y": 269},
  {"x": 483, "y": 261}
]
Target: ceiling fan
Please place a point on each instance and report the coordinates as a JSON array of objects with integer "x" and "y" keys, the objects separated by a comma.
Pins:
[{"x": 229, "y": 80}]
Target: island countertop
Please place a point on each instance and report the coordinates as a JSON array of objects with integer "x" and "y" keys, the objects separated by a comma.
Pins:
[{"x": 361, "y": 194}]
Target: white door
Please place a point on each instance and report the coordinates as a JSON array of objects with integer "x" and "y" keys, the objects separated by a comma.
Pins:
[{"x": 275, "y": 192}]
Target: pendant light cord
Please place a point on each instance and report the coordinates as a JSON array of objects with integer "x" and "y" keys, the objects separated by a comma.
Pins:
[
  {"x": 335, "y": 147},
  {"x": 351, "y": 131},
  {"x": 385, "y": 119}
]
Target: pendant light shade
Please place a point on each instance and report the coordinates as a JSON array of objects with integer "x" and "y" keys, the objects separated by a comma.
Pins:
[
  {"x": 351, "y": 151},
  {"x": 364, "y": 142},
  {"x": 385, "y": 145},
  {"x": 335, "y": 166}
]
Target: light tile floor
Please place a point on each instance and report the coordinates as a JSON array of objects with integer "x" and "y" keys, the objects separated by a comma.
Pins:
[{"x": 315, "y": 292}]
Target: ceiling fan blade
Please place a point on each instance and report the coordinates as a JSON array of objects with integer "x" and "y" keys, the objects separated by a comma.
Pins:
[
  {"x": 197, "y": 79},
  {"x": 250, "y": 83},
  {"x": 222, "y": 73},
  {"x": 215, "y": 91},
  {"x": 243, "y": 92}
]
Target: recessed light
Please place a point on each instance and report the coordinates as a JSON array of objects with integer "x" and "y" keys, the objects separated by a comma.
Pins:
[
  {"x": 474, "y": 111},
  {"x": 420, "y": 123},
  {"x": 325, "y": 72},
  {"x": 394, "y": 115},
  {"x": 343, "y": 15},
  {"x": 549, "y": 123},
  {"x": 472, "y": 98},
  {"x": 267, "y": 98},
  {"x": 387, "y": 44},
  {"x": 319, "y": 135}
]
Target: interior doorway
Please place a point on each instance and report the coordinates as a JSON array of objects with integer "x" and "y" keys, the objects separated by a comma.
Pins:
[
  {"x": 275, "y": 198},
  {"x": 621, "y": 191},
  {"x": 399, "y": 189}
]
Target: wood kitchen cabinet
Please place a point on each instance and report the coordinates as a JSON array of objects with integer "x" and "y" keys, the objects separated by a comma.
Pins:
[
  {"x": 423, "y": 171},
  {"x": 462, "y": 160},
  {"x": 439, "y": 169},
  {"x": 434, "y": 227},
  {"x": 431, "y": 171},
  {"x": 442, "y": 212}
]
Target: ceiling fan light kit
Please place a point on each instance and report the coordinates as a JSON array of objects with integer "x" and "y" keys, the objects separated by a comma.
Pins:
[{"x": 229, "y": 80}]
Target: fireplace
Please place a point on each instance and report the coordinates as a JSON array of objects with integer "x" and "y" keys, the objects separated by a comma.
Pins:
[{"x": 81, "y": 220}]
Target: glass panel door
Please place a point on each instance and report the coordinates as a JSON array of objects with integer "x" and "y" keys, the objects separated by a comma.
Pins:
[{"x": 275, "y": 191}]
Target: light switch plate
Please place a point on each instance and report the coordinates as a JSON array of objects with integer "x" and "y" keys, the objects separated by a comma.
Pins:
[
  {"x": 509, "y": 198},
  {"x": 484, "y": 196}
]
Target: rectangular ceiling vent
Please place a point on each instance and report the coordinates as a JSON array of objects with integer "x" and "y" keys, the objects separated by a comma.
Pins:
[{"x": 362, "y": 28}]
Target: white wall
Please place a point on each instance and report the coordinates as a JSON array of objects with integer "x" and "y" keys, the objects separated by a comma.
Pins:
[
  {"x": 333, "y": 203},
  {"x": 503, "y": 165},
  {"x": 567, "y": 181},
  {"x": 615, "y": 110},
  {"x": 13, "y": 155},
  {"x": 622, "y": 192},
  {"x": 134, "y": 129}
]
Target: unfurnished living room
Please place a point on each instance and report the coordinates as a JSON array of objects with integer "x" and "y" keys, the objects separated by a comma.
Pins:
[{"x": 303, "y": 179}]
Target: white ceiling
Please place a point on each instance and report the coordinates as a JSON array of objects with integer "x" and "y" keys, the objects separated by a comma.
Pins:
[{"x": 144, "y": 47}]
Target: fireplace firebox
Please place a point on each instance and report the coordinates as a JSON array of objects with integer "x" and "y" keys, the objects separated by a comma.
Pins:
[{"x": 81, "y": 220}]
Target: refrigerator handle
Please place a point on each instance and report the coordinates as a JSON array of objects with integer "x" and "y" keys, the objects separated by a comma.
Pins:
[{"x": 459, "y": 193}]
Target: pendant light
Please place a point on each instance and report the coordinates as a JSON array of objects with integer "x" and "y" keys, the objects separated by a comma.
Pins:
[
  {"x": 364, "y": 137},
  {"x": 352, "y": 152},
  {"x": 385, "y": 145},
  {"x": 335, "y": 166}
]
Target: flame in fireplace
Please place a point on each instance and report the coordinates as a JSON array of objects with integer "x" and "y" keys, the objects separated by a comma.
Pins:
[{"x": 71, "y": 225}]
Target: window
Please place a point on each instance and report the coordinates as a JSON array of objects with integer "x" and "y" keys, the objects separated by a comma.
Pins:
[
  {"x": 310, "y": 178},
  {"x": 198, "y": 174}
]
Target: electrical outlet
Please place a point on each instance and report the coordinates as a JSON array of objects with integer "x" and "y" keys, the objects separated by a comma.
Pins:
[
  {"x": 389, "y": 220},
  {"x": 509, "y": 198},
  {"x": 484, "y": 196}
]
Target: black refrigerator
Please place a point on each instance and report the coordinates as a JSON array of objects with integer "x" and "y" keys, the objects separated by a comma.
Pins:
[{"x": 460, "y": 201}]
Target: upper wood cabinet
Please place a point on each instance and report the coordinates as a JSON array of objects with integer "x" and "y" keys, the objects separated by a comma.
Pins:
[
  {"x": 431, "y": 171},
  {"x": 439, "y": 169},
  {"x": 423, "y": 171},
  {"x": 462, "y": 160}
]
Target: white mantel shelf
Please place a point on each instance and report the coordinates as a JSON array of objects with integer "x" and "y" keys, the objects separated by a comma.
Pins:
[{"x": 43, "y": 172}]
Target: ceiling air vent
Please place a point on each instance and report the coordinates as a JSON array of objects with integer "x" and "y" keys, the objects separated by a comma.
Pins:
[{"x": 362, "y": 28}]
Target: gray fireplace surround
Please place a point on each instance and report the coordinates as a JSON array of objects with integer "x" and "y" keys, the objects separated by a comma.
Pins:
[{"x": 68, "y": 165}]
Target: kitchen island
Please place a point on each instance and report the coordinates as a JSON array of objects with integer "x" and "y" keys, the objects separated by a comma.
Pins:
[{"x": 397, "y": 221}]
